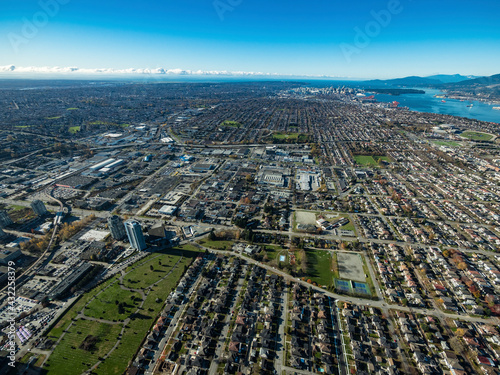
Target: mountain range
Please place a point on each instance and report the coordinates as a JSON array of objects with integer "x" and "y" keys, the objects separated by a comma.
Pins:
[
  {"x": 471, "y": 86},
  {"x": 438, "y": 79}
]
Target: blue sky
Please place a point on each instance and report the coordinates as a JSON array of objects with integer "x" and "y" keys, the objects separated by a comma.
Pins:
[{"x": 315, "y": 37}]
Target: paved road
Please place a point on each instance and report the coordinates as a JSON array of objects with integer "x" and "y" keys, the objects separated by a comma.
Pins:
[{"x": 360, "y": 238}]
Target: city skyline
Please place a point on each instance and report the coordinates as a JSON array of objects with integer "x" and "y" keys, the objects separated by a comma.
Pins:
[{"x": 376, "y": 39}]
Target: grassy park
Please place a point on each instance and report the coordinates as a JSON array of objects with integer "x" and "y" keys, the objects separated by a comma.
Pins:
[
  {"x": 446, "y": 143},
  {"x": 370, "y": 161},
  {"x": 107, "y": 306},
  {"x": 71, "y": 356},
  {"x": 319, "y": 266},
  {"x": 231, "y": 124},
  {"x": 476, "y": 136},
  {"x": 84, "y": 341},
  {"x": 217, "y": 244},
  {"x": 299, "y": 137}
]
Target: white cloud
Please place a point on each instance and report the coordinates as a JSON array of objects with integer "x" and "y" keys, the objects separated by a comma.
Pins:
[
  {"x": 75, "y": 70},
  {"x": 20, "y": 70}
]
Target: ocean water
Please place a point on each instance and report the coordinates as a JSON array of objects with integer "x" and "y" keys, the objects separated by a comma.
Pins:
[{"x": 428, "y": 103}]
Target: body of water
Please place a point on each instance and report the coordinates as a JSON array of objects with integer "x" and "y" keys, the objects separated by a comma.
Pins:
[{"x": 429, "y": 103}]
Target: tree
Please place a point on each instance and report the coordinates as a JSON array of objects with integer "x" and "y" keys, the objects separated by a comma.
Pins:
[
  {"x": 356, "y": 244},
  {"x": 462, "y": 266}
]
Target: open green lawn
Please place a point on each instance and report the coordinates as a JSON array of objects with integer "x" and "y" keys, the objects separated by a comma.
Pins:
[
  {"x": 74, "y": 129},
  {"x": 53, "y": 117},
  {"x": 370, "y": 161},
  {"x": 349, "y": 225},
  {"x": 100, "y": 123},
  {"x": 79, "y": 360},
  {"x": 446, "y": 143},
  {"x": 477, "y": 136},
  {"x": 280, "y": 135},
  {"x": 143, "y": 275},
  {"x": 319, "y": 266},
  {"x": 141, "y": 323},
  {"x": 69, "y": 359},
  {"x": 72, "y": 109},
  {"x": 61, "y": 324},
  {"x": 187, "y": 248},
  {"x": 289, "y": 135},
  {"x": 369, "y": 280},
  {"x": 335, "y": 272},
  {"x": 105, "y": 305},
  {"x": 272, "y": 251},
  {"x": 22, "y": 126},
  {"x": 231, "y": 124},
  {"x": 218, "y": 245}
]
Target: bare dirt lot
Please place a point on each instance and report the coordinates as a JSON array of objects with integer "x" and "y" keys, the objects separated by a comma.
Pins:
[
  {"x": 303, "y": 217},
  {"x": 350, "y": 266}
]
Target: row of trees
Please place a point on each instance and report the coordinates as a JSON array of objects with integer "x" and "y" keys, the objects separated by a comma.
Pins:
[
  {"x": 38, "y": 245},
  {"x": 69, "y": 230}
]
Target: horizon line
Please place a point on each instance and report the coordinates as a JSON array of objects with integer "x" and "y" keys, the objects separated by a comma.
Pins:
[{"x": 176, "y": 72}]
